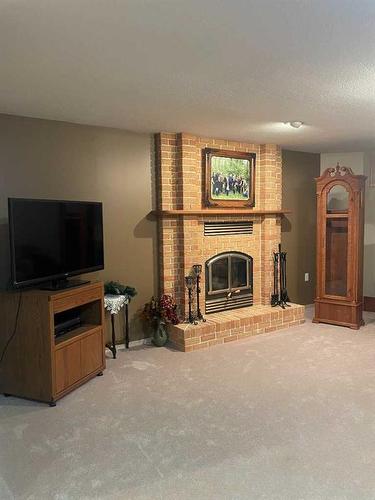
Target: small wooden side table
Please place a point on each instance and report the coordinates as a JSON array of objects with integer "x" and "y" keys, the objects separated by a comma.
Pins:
[{"x": 114, "y": 304}]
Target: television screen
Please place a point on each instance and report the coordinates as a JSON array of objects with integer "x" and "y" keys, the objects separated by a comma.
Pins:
[{"x": 51, "y": 239}]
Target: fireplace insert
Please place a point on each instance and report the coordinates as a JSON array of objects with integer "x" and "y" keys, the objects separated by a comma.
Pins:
[{"x": 229, "y": 281}]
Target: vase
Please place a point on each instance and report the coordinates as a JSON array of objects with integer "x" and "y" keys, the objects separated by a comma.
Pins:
[{"x": 160, "y": 335}]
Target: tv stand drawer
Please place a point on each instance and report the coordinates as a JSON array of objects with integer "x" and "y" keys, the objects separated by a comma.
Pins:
[{"x": 71, "y": 299}]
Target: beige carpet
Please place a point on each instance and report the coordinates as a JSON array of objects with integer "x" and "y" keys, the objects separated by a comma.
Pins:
[{"x": 287, "y": 415}]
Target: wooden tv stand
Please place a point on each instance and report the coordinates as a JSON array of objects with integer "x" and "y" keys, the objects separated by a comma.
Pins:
[{"x": 38, "y": 366}]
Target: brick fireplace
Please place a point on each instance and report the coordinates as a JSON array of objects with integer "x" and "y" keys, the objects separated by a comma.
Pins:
[{"x": 234, "y": 246}]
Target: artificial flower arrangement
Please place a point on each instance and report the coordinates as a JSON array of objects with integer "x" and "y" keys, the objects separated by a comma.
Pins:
[{"x": 159, "y": 312}]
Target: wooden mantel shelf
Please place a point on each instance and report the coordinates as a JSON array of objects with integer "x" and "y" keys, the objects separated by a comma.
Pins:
[{"x": 218, "y": 211}]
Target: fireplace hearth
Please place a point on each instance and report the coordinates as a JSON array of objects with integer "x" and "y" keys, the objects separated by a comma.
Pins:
[{"x": 229, "y": 281}]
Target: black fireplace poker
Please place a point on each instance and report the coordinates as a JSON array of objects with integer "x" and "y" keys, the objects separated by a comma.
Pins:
[
  {"x": 197, "y": 268},
  {"x": 280, "y": 294},
  {"x": 189, "y": 281}
]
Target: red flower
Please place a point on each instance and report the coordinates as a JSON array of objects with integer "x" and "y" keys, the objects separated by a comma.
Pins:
[{"x": 164, "y": 309}]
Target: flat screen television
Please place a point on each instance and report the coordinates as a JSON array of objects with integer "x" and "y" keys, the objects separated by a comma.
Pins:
[{"x": 51, "y": 240}]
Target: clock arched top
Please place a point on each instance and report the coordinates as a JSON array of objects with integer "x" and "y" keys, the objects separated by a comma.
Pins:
[{"x": 340, "y": 175}]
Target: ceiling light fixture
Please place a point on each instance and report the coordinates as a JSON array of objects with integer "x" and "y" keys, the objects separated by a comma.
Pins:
[{"x": 295, "y": 124}]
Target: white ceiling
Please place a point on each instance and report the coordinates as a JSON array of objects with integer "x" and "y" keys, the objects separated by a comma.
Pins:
[{"x": 225, "y": 68}]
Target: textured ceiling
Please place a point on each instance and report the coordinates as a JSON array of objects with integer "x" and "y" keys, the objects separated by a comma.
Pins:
[{"x": 225, "y": 68}]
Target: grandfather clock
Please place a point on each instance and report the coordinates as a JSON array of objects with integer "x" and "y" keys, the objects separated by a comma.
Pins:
[{"x": 340, "y": 219}]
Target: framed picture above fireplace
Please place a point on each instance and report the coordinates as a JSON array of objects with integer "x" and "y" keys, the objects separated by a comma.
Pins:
[{"x": 229, "y": 178}]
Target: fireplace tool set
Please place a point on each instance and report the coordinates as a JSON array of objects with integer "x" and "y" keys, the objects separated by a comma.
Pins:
[
  {"x": 280, "y": 293},
  {"x": 191, "y": 281}
]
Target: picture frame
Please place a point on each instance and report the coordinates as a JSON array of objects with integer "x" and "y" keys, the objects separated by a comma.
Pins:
[{"x": 229, "y": 178}]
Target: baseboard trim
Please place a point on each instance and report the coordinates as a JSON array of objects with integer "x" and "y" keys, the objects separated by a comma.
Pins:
[
  {"x": 369, "y": 304},
  {"x": 133, "y": 343},
  {"x": 146, "y": 341}
]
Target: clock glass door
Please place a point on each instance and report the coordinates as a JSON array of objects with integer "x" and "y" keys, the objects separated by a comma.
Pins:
[{"x": 336, "y": 256}]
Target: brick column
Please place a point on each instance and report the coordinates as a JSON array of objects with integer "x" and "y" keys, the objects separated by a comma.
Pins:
[
  {"x": 170, "y": 231},
  {"x": 271, "y": 190}
]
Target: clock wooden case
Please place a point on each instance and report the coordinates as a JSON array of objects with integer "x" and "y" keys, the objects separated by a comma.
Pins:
[{"x": 340, "y": 223}]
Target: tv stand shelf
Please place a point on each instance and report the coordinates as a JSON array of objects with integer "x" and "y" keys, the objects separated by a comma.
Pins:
[
  {"x": 36, "y": 364},
  {"x": 69, "y": 337}
]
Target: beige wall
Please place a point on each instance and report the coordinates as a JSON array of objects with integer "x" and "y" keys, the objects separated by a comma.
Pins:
[
  {"x": 355, "y": 161},
  {"x": 49, "y": 159},
  {"x": 298, "y": 235}
]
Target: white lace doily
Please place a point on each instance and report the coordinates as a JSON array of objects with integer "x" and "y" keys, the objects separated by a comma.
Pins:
[{"x": 114, "y": 303}]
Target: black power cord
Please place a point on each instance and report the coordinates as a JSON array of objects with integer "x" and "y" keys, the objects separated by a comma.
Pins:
[{"x": 14, "y": 329}]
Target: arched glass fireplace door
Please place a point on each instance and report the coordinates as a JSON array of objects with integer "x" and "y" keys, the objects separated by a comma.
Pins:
[{"x": 229, "y": 281}]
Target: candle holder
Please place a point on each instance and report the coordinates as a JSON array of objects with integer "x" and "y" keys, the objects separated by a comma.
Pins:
[
  {"x": 189, "y": 281},
  {"x": 197, "y": 268}
]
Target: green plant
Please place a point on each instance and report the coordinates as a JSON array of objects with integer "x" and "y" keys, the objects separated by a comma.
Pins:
[{"x": 117, "y": 288}]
